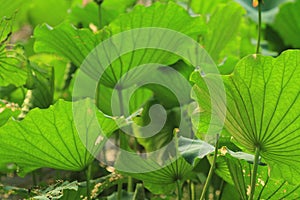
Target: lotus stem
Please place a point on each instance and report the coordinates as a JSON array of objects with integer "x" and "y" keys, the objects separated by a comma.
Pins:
[
  {"x": 259, "y": 27},
  {"x": 254, "y": 173},
  {"x": 211, "y": 170},
  {"x": 179, "y": 191},
  {"x": 88, "y": 181}
]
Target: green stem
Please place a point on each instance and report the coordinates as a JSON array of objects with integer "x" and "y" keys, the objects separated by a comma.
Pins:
[
  {"x": 120, "y": 94},
  {"x": 120, "y": 185},
  {"x": 34, "y": 178},
  {"x": 211, "y": 171},
  {"x": 254, "y": 173},
  {"x": 99, "y": 3},
  {"x": 221, "y": 189},
  {"x": 179, "y": 190},
  {"x": 192, "y": 190},
  {"x": 259, "y": 27},
  {"x": 100, "y": 15},
  {"x": 88, "y": 181},
  {"x": 130, "y": 184}
]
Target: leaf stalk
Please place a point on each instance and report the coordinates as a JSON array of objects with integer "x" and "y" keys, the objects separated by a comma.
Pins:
[
  {"x": 254, "y": 173},
  {"x": 179, "y": 190},
  {"x": 211, "y": 170},
  {"x": 88, "y": 181},
  {"x": 259, "y": 27}
]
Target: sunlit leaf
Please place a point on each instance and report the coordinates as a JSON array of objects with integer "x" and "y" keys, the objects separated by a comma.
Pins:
[
  {"x": 75, "y": 44},
  {"x": 66, "y": 40},
  {"x": 262, "y": 109},
  {"x": 48, "y": 138}
]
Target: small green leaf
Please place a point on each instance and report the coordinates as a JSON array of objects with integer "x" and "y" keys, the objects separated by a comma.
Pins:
[
  {"x": 8, "y": 110},
  {"x": 243, "y": 156},
  {"x": 12, "y": 67},
  {"x": 57, "y": 191},
  {"x": 161, "y": 180},
  {"x": 192, "y": 150}
]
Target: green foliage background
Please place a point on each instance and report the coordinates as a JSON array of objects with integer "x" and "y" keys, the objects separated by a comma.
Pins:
[{"x": 43, "y": 44}]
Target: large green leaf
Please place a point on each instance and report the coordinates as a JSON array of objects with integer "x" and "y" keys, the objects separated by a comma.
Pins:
[
  {"x": 66, "y": 40},
  {"x": 227, "y": 38},
  {"x": 262, "y": 109},
  {"x": 287, "y": 24},
  {"x": 76, "y": 44},
  {"x": 168, "y": 15},
  {"x": 49, "y": 138}
]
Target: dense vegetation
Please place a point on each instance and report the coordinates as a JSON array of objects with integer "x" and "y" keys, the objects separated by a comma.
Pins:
[{"x": 165, "y": 99}]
